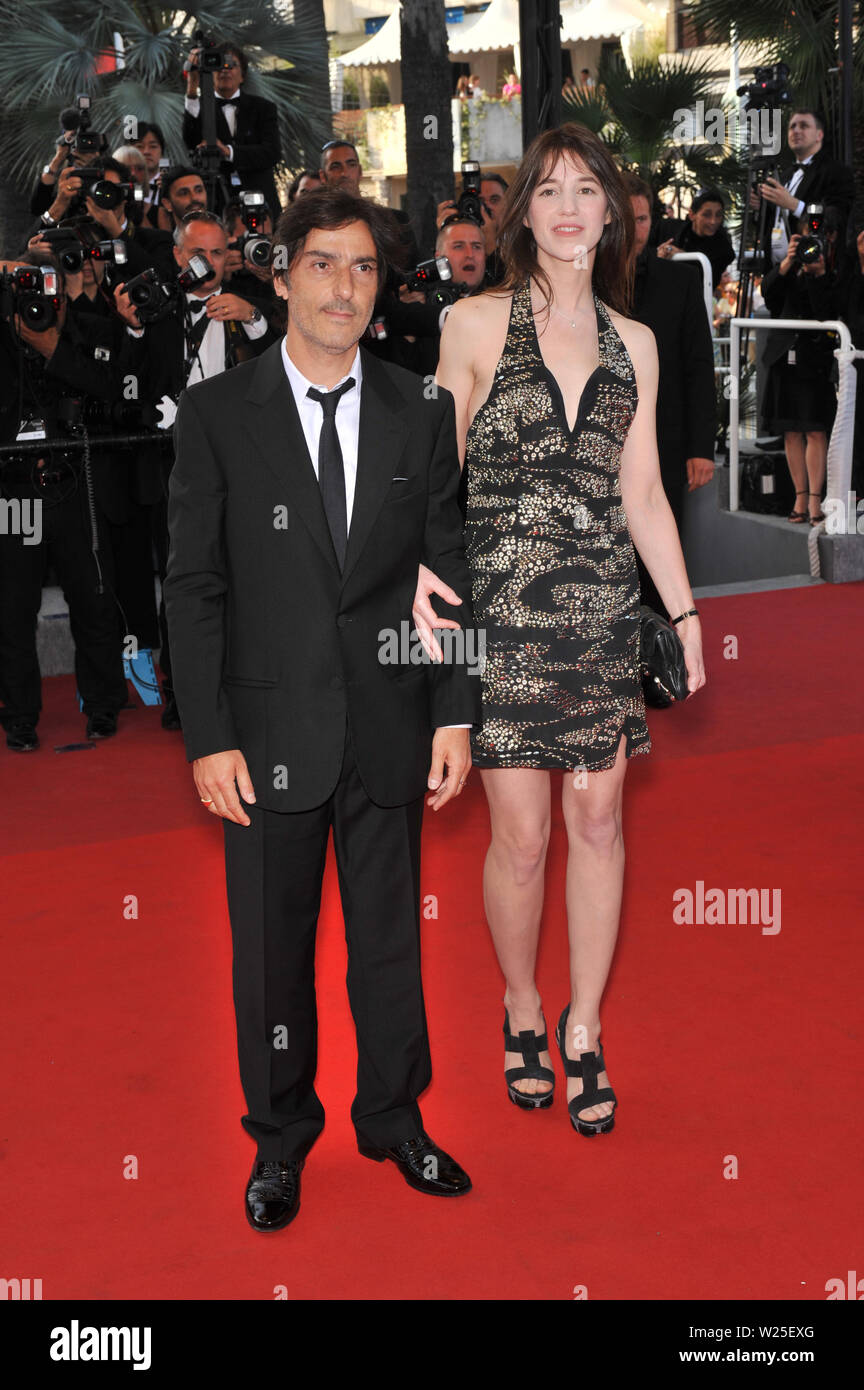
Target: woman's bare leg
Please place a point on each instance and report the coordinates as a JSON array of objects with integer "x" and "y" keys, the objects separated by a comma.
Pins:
[
  {"x": 595, "y": 877},
  {"x": 513, "y": 876}
]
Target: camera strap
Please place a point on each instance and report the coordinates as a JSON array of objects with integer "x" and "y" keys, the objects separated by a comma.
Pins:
[{"x": 194, "y": 337}]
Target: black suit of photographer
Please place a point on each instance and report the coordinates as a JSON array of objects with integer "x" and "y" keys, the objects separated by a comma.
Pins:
[
  {"x": 826, "y": 181},
  {"x": 162, "y": 364},
  {"x": 255, "y": 144},
  {"x": 72, "y": 522}
]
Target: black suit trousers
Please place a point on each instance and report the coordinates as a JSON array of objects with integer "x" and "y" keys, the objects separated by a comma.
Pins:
[{"x": 274, "y": 870}]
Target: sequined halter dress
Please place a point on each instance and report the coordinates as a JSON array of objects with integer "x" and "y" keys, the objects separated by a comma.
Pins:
[{"x": 553, "y": 571}]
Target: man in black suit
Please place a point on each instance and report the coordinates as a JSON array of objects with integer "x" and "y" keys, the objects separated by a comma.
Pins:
[
  {"x": 669, "y": 299},
  {"x": 286, "y": 583},
  {"x": 811, "y": 177},
  {"x": 247, "y": 127}
]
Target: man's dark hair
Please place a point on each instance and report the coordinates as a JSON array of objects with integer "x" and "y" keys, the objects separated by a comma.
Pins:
[
  {"x": 238, "y": 54},
  {"x": 106, "y": 162},
  {"x": 336, "y": 143},
  {"x": 638, "y": 188},
  {"x": 150, "y": 128},
  {"x": 495, "y": 178},
  {"x": 177, "y": 171},
  {"x": 298, "y": 179},
  {"x": 708, "y": 195},
  {"x": 808, "y": 111},
  {"x": 328, "y": 211}
]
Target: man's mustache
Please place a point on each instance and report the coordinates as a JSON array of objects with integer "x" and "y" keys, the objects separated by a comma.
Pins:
[{"x": 337, "y": 309}]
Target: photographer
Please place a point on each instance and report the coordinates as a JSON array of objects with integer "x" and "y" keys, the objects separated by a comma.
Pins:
[
  {"x": 800, "y": 400},
  {"x": 247, "y": 264},
  {"x": 77, "y": 147},
  {"x": 191, "y": 334},
  {"x": 415, "y": 321},
  {"x": 482, "y": 200},
  {"x": 810, "y": 176},
  {"x": 182, "y": 191},
  {"x": 53, "y": 370},
  {"x": 101, "y": 194},
  {"x": 151, "y": 143},
  {"x": 247, "y": 127}
]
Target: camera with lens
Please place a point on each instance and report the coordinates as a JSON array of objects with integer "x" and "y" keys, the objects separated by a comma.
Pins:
[
  {"x": 73, "y": 244},
  {"x": 470, "y": 203},
  {"x": 254, "y": 245},
  {"x": 434, "y": 278},
  {"x": 210, "y": 58},
  {"x": 104, "y": 192},
  {"x": 812, "y": 247},
  {"x": 87, "y": 140},
  {"x": 154, "y": 298},
  {"x": 33, "y": 293},
  {"x": 769, "y": 88}
]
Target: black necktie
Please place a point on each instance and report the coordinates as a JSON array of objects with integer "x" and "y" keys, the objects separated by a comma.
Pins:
[{"x": 331, "y": 473}]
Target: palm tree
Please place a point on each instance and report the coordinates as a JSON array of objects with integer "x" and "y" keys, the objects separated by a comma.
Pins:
[
  {"x": 427, "y": 87},
  {"x": 803, "y": 35},
  {"x": 51, "y": 49},
  {"x": 636, "y": 113}
]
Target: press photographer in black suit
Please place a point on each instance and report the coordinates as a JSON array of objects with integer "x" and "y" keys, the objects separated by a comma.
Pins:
[
  {"x": 282, "y": 578},
  {"x": 668, "y": 298},
  {"x": 809, "y": 176},
  {"x": 207, "y": 331},
  {"x": 247, "y": 127}
]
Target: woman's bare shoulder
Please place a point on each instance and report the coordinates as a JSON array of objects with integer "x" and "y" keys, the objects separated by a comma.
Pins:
[
  {"x": 488, "y": 308},
  {"x": 637, "y": 337}
]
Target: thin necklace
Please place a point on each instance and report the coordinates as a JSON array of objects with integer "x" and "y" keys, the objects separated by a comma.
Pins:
[{"x": 560, "y": 312}]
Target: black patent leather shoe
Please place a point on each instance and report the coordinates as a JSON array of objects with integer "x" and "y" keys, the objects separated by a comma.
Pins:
[
  {"x": 423, "y": 1165},
  {"x": 21, "y": 736},
  {"x": 101, "y": 726},
  {"x": 273, "y": 1193}
]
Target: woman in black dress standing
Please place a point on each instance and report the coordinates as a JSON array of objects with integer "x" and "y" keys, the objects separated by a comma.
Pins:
[{"x": 555, "y": 409}]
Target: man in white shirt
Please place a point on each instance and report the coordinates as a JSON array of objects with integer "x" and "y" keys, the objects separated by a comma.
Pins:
[
  {"x": 813, "y": 178},
  {"x": 247, "y": 127}
]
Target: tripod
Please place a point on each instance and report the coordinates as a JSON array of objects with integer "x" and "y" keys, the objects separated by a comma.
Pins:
[{"x": 208, "y": 158}]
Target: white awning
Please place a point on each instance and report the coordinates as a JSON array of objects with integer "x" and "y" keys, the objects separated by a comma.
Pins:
[
  {"x": 604, "y": 19},
  {"x": 386, "y": 46},
  {"x": 493, "y": 31}
]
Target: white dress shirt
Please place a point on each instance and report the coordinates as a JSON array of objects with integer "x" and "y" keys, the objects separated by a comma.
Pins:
[
  {"x": 193, "y": 106},
  {"x": 311, "y": 414},
  {"x": 780, "y": 234}
]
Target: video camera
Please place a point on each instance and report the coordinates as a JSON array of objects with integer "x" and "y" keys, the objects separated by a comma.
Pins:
[
  {"x": 155, "y": 298},
  {"x": 33, "y": 293},
  {"x": 256, "y": 247},
  {"x": 768, "y": 89},
  {"x": 77, "y": 118}
]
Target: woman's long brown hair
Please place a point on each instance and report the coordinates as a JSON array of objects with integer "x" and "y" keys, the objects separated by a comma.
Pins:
[{"x": 613, "y": 259}]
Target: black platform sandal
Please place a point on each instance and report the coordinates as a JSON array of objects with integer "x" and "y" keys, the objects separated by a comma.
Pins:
[
  {"x": 587, "y": 1069},
  {"x": 530, "y": 1045},
  {"x": 820, "y": 516},
  {"x": 797, "y": 516}
]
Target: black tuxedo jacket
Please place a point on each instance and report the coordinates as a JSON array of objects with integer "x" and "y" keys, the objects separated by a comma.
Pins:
[
  {"x": 825, "y": 181},
  {"x": 255, "y": 145},
  {"x": 668, "y": 298},
  {"x": 271, "y": 646}
]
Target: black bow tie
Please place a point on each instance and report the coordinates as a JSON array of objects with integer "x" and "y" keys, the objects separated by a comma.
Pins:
[
  {"x": 226, "y": 101},
  {"x": 197, "y": 306}
]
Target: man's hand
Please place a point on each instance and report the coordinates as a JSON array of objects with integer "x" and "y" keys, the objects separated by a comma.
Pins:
[
  {"x": 44, "y": 342},
  {"x": 223, "y": 149},
  {"x": 229, "y": 306},
  {"x": 667, "y": 249},
  {"x": 774, "y": 192},
  {"x": 125, "y": 308},
  {"x": 699, "y": 472},
  {"x": 451, "y": 748},
  {"x": 424, "y": 615},
  {"x": 789, "y": 259},
  {"x": 815, "y": 268},
  {"x": 68, "y": 185},
  {"x": 215, "y": 776},
  {"x": 108, "y": 218},
  {"x": 192, "y": 74},
  {"x": 443, "y": 211}
]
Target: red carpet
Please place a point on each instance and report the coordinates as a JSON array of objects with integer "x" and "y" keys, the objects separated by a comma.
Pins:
[{"x": 119, "y": 1044}]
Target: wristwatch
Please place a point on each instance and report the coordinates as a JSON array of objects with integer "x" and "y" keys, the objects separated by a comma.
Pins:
[
  {"x": 257, "y": 316},
  {"x": 48, "y": 220},
  {"x": 48, "y": 170}
]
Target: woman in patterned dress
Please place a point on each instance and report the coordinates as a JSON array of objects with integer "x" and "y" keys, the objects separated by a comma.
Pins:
[{"x": 555, "y": 391}]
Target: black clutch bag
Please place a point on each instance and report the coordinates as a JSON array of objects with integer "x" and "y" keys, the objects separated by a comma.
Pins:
[{"x": 661, "y": 660}]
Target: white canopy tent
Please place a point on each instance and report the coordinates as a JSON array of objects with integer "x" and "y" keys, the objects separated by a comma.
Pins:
[{"x": 604, "y": 19}]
